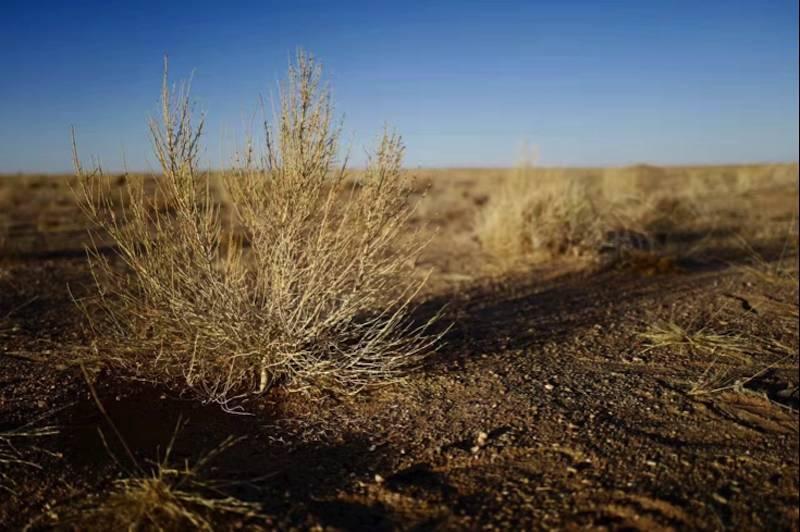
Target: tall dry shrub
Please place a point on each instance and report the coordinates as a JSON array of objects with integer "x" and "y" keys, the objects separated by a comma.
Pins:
[{"x": 311, "y": 286}]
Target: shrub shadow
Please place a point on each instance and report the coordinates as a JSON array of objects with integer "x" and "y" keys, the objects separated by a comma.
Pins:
[
  {"x": 519, "y": 312},
  {"x": 291, "y": 477}
]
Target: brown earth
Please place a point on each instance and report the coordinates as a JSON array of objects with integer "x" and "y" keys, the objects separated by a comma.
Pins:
[{"x": 544, "y": 407}]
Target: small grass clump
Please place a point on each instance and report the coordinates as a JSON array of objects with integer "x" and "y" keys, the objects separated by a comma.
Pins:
[
  {"x": 165, "y": 497},
  {"x": 696, "y": 340},
  {"x": 734, "y": 346},
  {"x": 160, "y": 502},
  {"x": 310, "y": 286},
  {"x": 723, "y": 353}
]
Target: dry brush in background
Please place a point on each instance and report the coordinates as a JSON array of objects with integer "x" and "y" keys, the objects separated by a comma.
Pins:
[
  {"x": 297, "y": 290},
  {"x": 538, "y": 215},
  {"x": 636, "y": 215},
  {"x": 530, "y": 218}
]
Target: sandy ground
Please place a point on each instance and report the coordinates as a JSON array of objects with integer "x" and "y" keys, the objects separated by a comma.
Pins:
[{"x": 544, "y": 408}]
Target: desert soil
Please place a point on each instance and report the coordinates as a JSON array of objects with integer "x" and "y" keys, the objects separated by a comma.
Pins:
[{"x": 544, "y": 407}]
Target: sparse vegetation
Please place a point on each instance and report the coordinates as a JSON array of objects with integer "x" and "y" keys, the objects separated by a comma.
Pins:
[
  {"x": 780, "y": 274},
  {"x": 634, "y": 216},
  {"x": 731, "y": 357},
  {"x": 164, "y": 498},
  {"x": 539, "y": 216},
  {"x": 16, "y": 447},
  {"x": 697, "y": 340},
  {"x": 736, "y": 347},
  {"x": 554, "y": 344},
  {"x": 157, "y": 495},
  {"x": 244, "y": 321},
  {"x": 301, "y": 296},
  {"x": 718, "y": 378}
]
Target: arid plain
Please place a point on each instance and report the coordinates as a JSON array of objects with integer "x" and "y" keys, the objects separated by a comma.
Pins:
[{"x": 625, "y": 359}]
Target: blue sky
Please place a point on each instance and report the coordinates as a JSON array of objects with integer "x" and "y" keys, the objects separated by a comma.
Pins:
[{"x": 466, "y": 83}]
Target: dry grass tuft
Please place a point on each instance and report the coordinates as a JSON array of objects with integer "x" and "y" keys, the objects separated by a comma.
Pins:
[
  {"x": 165, "y": 498},
  {"x": 160, "y": 503},
  {"x": 735, "y": 347},
  {"x": 730, "y": 365},
  {"x": 700, "y": 340},
  {"x": 296, "y": 292}
]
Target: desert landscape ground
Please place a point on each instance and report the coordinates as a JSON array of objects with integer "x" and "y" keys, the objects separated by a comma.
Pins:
[{"x": 575, "y": 384}]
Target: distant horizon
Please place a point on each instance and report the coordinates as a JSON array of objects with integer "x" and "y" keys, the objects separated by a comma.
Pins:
[
  {"x": 112, "y": 172},
  {"x": 467, "y": 85}
]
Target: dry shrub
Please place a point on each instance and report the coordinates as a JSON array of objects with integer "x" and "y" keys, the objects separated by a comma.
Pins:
[
  {"x": 531, "y": 219},
  {"x": 565, "y": 222},
  {"x": 297, "y": 291},
  {"x": 641, "y": 216},
  {"x": 668, "y": 214},
  {"x": 677, "y": 227}
]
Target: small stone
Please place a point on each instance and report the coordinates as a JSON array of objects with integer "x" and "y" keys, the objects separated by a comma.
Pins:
[
  {"x": 549, "y": 387},
  {"x": 378, "y": 479}
]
